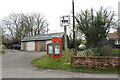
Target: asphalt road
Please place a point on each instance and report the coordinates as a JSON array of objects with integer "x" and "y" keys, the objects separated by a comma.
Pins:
[{"x": 17, "y": 64}]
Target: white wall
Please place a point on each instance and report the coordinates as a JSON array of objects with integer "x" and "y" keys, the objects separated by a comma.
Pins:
[
  {"x": 31, "y": 46},
  {"x": 22, "y": 45}
]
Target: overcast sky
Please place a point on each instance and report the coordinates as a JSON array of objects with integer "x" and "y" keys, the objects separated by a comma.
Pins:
[{"x": 53, "y": 9}]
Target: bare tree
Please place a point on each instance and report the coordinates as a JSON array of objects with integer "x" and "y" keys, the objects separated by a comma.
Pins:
[{"x": 21, "y": 25}]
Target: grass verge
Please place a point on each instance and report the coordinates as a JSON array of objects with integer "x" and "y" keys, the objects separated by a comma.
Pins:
[
  {"x": 45, "y": 62},
  {"x": 1, "y": 52}
]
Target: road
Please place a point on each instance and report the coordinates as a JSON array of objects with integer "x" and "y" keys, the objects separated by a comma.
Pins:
[{"x": 17, "y": 64}]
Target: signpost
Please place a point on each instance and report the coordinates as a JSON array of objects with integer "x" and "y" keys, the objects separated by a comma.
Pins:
[{"x": 65, "y": 21}]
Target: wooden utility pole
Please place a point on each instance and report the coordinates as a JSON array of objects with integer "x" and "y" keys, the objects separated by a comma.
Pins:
[
  {"x": 75, "y": 50},
  {"x": 65, "y": 43},
  {"x": 65, "y": 21}
]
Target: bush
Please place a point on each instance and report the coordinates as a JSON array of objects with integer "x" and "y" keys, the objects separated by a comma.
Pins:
[
  {"x": 106, "y": 51},
  {"x": 109, "y": 51},
  {"x": 71, "y": 44},
  {"x": 103, "y": 51},
  {"x": 116, "y": 52},
  {"x": 96, "y": 51}
]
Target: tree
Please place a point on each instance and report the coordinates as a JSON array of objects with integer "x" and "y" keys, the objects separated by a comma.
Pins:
[
  {"x": 95, "y": 25},
  {"x": 78, "y": 37},
  {"x": 21, "y": 25}
]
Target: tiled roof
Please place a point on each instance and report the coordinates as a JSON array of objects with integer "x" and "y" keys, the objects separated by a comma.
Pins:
[
  {"x": 43, "y": 37},
  {"x": 113, "y": 35}
]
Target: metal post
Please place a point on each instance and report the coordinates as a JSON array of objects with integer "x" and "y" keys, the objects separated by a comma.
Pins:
[{"x": 75, "y": 50}]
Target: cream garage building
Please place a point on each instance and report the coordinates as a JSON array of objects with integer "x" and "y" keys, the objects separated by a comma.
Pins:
[{"x": 38, "y": 42}]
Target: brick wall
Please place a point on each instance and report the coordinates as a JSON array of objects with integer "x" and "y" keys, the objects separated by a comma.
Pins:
[
  {"x": 100, "y": 62},
  {"x": 36, "y": 45}
]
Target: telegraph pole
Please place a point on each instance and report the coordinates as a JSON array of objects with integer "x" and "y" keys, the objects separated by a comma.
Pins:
[
  {"x": 74, "y": 28},
  {"x": 65, "y": 43}
]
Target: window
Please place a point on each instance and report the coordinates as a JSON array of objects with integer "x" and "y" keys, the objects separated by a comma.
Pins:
[{"x": 117, "y": 42}]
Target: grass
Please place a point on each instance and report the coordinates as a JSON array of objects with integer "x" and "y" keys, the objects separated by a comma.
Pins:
[
  {"x": 116, "y": 52},
  {"x": 45, "y": 62},
  {"x": 1, "y": 52}
]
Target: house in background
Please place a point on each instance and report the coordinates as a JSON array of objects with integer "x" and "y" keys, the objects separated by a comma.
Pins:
[
  {"x": 114, "y": 38},
  {"x": 38, "y": 42}
]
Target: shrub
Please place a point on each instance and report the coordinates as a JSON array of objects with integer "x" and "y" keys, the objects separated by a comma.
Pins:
[
  {"x": 116, "y": 52},
  {"x": 106, "y": 51},
  {"x": 96, "y": 51},
  {"x": 71, "y": 44},
  {"x": 103, "y": 51}
]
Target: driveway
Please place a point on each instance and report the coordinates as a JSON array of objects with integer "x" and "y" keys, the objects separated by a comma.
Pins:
[
  {"x": 14, "y": 59},
  {"x": 17, "y": 64}
]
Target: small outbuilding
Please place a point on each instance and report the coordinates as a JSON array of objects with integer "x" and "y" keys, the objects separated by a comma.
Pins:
[{"x": 38, "y": 42}]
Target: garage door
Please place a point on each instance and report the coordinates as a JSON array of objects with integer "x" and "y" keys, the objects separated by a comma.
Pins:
[{"x": 30, "y": 46}]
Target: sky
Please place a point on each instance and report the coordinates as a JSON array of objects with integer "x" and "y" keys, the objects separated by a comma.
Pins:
[{"x": 52, "y": 10}]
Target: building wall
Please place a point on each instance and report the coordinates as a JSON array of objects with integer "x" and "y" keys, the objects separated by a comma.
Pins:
[
  {"x": 35, "y": 45},
  {"x": 49, "y": 41},
  {"x": 42, "y": 45},
  {"x": 31, "y": 46},
  {"x": 23, "y": 45}
]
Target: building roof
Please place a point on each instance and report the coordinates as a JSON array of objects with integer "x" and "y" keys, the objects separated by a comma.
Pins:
[
  {"x": 43, "y": 37},
  {"x": 113, "y": 35}
]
